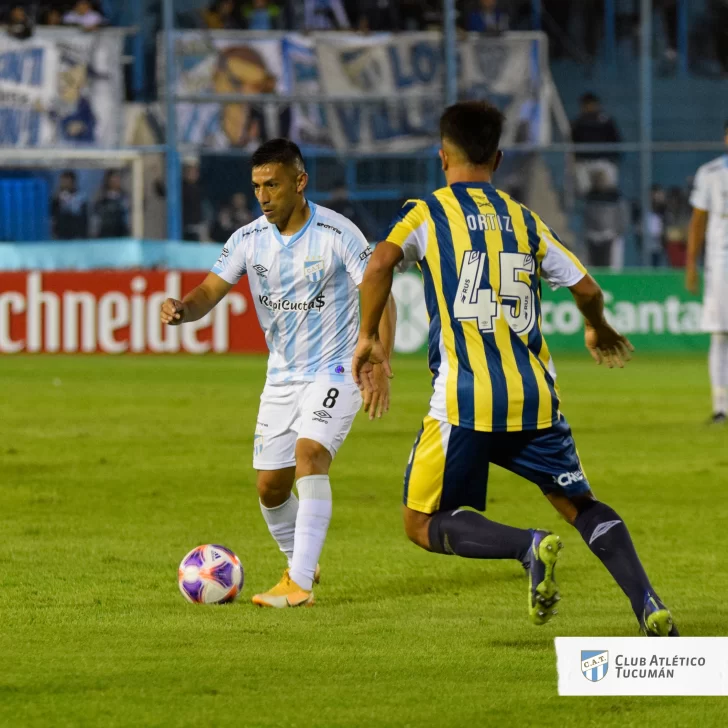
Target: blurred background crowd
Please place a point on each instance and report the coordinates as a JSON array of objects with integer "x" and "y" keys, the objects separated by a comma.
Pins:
[{"x": 593, "y": 53}]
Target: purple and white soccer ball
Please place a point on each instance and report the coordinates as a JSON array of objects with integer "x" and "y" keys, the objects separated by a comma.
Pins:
[{"x": 210, "y": 574}]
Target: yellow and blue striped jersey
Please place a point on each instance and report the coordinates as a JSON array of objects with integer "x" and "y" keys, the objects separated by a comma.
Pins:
[{"x": 482, "y": 257}]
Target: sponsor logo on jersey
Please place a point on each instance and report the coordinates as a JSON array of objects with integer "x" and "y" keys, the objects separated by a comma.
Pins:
[
  {"x": 566, "y": 479},
  {"x": 283, "y": 304},
  {"x": 313, "y": 269},
  {"x": 482, "y": 201},
  {"x": 261, "y": 270},
  {"x": 223, "y": 254},
  {"x": 328, "y": 227},
  {"x": 321, "y": 416},
  {"x": 367, "y": 252},
  {"x": 253, "y": 231}
]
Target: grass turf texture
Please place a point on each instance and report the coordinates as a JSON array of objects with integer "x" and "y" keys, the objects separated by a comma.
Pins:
[{"x": 111, "y": 469}]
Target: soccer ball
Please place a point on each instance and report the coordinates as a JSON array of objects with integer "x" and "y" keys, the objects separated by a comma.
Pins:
[{"x": 210, "y": 574}]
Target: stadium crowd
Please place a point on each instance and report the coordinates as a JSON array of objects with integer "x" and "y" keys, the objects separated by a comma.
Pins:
[{"x": 574, "y": 27}]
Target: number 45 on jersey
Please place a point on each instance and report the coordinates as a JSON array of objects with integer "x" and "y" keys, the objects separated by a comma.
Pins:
[{"x": 474, "y": 303}]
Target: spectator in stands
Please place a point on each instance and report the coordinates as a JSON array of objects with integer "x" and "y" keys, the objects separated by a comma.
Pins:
[
  {"x": 721, "y": 32},
  {"x": 261, "y": 15},
  {"x": 412, "y": 15},
  {"x": 488, "y": 18},
  {"x": 655, "y": 242},
  {"x": 594, "y": 126},
  {"x": 52, "y": 16},
  {"x": 84, "y": 16},
  {"x": 340, "y": 202},
  {"x": 373, "y": 15},
  {"x": 606, "y": 216},
  {"x": 239, "y": 210},
  {"x": 677, "y": 222},
  {"x": 220, "y": 15},
  {"x": 19, "y": 25},
  {"x": 196, "y": 209},
  {"x": 224, "y": 226},
  {"x": 111, "y": 211},
  {"x": 325, "y": 15},
  {"x": 669, "y": 20},
  {"x": 69, "y": 209},
  {"x": 194, "y": 203}
]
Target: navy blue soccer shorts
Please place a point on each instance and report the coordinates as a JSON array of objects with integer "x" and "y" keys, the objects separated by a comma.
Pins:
[{"x": 448, "y": 466}]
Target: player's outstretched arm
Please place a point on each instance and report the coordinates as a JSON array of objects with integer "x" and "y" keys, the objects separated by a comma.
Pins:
[
  {"x": 696, "y": 240},
  {"x": 374, "y": 293},
  {"x": 376, "y": 397},
  {"x": 197, "y": 303},
  {"x": 605, "y": 344}
]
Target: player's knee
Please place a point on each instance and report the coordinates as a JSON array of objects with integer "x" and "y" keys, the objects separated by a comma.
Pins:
[
  {"x": 569, "y": 507},
  {"x": 312, "y": 458},
  {"x": 416, "y": 526},
  {"x": 273, "y": 488}
]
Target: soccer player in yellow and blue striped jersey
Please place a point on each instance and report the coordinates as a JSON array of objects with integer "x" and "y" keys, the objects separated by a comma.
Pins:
[{"x": 483, "y": 257}]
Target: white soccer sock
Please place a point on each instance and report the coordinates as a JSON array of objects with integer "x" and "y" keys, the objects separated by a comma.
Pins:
[
  {"x": 314, "y": 516},
  {"x": 281, "y": 522},
  {"x": 718, "y": 361}
]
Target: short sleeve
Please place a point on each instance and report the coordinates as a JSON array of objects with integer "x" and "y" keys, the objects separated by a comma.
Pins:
[
  {"x": 230, "y": 266},
  {"x": 355, "y": 253},
  {"x": 700, "y": 196},
  {"x": 560, "y": 268},
  {"x": 408, "y": 231}
]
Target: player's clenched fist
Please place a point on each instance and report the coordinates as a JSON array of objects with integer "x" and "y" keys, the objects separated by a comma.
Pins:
[{"x": 173, "y": 312}]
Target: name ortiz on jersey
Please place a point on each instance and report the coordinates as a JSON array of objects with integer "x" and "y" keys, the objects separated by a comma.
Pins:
[{"x": 305, "y": 292}]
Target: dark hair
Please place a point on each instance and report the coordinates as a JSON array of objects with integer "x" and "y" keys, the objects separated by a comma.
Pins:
[
  {"x": 474, "y": 127},
  {"x": 589, "y": 98},
  {"x": 277, "y": 151},
  {"x": 69, "y": 174}
]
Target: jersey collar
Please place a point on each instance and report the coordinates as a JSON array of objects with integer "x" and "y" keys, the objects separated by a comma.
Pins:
[
  {"x": 276, "y": 234},
  {"x": 488, "y": 185}
]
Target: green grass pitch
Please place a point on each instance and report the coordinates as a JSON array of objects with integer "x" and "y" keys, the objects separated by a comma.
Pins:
[{"x": 111, "y": 469}]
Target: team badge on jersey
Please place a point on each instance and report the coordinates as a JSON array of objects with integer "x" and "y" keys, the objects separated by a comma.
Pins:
[
  {"x": 594, "y": 664},
  {"x": 313, "y": 269}
]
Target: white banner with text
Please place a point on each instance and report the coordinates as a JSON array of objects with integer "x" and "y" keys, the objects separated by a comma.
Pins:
[{"x": 642, "y": 666}]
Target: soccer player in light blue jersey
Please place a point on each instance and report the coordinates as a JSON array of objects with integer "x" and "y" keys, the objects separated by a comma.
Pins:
[{"x": 304, "y": 264}]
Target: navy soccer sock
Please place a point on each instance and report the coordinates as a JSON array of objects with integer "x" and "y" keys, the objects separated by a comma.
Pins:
[
  {"x": 608, "y": 538},
  {"x": 468, "y": 534}
]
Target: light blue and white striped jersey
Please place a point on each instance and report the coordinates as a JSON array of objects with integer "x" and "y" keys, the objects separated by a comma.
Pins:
[
  {"x": 305, "y": 292},
  {"x": 710, "y": 193}
]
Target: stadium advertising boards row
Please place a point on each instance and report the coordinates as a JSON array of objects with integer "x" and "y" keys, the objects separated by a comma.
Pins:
[
  {"x": 118, "y": 311},
  {"x": 652, "y": 308}
]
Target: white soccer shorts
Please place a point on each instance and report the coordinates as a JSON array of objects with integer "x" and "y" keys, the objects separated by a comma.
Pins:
[
  {"x": 319, "y": 411},
  {"x": 715, "y": 303}
]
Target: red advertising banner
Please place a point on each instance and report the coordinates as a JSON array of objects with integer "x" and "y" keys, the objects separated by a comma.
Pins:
[{"x": 116, "y": 312}]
